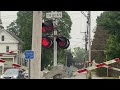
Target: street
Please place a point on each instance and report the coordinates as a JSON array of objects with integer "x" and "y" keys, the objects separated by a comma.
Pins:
[{"x": 83, "y": 76}]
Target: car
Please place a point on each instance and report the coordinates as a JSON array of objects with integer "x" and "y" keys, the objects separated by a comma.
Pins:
[
  {"x": 26, "y": 74},
  {"x": 13, "y": 73}
]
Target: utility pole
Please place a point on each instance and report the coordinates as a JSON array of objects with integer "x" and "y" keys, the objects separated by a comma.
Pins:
[
  {"x": 86, "y": 34},
  {"x": 89, "y": 41},
  {"x": 36, "y": 45},
  {"x": 86, "y": 42},
  {"x": 89, "y": 35}
]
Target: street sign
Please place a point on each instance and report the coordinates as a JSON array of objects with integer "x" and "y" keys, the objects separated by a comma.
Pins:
[
  {"x": 29, "y": 54},
  {"x": 54, "y": 15}
]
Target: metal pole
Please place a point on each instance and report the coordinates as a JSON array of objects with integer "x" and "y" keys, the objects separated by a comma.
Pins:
[
  {"x": 29, "y": 68},
  {"x": 55, "y": 43},
  {"x": 66, "y": 58},
  {"x": 3, "y": 68},
  {"x": 55, "y": 47},
  {"x": 107, "y": 72}
]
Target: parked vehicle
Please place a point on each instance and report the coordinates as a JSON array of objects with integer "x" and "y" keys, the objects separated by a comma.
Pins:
[
  {"x": 13, "y": 74},
  {"x": 26, "y": 74}
]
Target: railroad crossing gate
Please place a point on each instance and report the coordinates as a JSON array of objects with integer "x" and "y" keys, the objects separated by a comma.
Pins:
[{"x": 104, "y": 64}]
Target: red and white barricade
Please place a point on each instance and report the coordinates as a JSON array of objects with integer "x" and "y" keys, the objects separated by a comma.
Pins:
[
  {"x": 14, "y": 65},
  {"x": 104, "y": 64},
  {"x": 2, "y": 65}
]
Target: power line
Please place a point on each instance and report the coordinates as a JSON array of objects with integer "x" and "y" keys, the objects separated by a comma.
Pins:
[{"x": 84, "y": 14}]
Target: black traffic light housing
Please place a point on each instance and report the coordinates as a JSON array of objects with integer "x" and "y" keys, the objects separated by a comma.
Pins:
[
  {"x": 63, "y": 42},
  {"x": 47, "y": 26},
  {"x": 47, "y": 42}
]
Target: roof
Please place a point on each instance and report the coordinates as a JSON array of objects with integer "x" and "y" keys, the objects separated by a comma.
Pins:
[
  {"x": 17, "y": 38},
  {"x": 13, "y": 35}
]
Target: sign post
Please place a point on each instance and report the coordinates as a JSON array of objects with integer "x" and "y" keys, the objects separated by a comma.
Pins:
[
  {"x": 29, "y": 54},
  {"x": 54, "y": 15},
  {"x": 29, "y": 68}
]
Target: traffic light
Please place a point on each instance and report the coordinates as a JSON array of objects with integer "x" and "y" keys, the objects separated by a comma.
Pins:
[
  {"x": 47, "y": 42},
  {"x": 63, "y": 42},
  {"x": 47, "y": 26}
]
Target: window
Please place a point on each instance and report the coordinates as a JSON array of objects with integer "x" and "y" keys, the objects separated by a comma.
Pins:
[
  {"x": 7, "y": 48},
  {"x": 3, "y": 38}
]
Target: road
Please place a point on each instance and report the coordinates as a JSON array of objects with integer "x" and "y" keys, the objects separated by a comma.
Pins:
[{"x": 83, "y": 76}]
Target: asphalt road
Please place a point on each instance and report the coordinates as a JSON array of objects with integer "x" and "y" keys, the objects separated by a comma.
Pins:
[{"x": 83, "y": 76}]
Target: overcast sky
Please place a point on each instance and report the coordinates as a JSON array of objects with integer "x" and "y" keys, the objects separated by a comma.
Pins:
[{"x": 78, "y": 26}]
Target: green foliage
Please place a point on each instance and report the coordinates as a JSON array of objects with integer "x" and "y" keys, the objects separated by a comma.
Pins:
[
  {"x": 110, "y": 20},
  {"x": 22, "y": 27},
  {"x": 112, "y": 48},
  {"x": 113, "y": 51},
  {"x": 14, "y": 28},
  {"x": 79, "y": 54},
  {"x": 98, "y": 44}
]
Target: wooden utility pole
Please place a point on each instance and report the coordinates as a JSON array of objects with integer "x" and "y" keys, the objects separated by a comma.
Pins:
[
  {"x": 89, "y": 34},
  {"x": 36, "y": 45},
  {"x": 89, "y": 41}
]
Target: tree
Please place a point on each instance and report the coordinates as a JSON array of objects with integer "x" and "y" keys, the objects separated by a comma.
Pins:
[
  {"x": 14, "y": 28},
  {"x": 98, "y": 47},
  {"x": 22, "y": 27},
  {"x": 113, "y": 51},
  {"x": 79, "y": 53},
  {"x": 110, "y": 20},
  {"x": 79, "y": 56}
]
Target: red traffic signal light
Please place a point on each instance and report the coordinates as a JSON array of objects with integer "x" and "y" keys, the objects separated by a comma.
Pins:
[
  {"x": 47, "y": 42},
  {"x": 47, "y": 26},
  {"x": 63, "y": 42}
]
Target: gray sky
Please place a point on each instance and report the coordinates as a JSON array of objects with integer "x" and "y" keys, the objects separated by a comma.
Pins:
[
  {"x": 78, "y": 26},
  {"x": 8, "y": 17}
]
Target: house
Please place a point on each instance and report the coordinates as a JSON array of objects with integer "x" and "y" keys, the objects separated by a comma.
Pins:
[{"x": 9, "y": 42}]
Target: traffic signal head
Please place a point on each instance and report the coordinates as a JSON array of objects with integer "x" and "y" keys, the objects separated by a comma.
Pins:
[
  {"x": 63, "y": 42},
  {"x": 47, "y": 26},
  {"x": 47, "y": 42}
]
